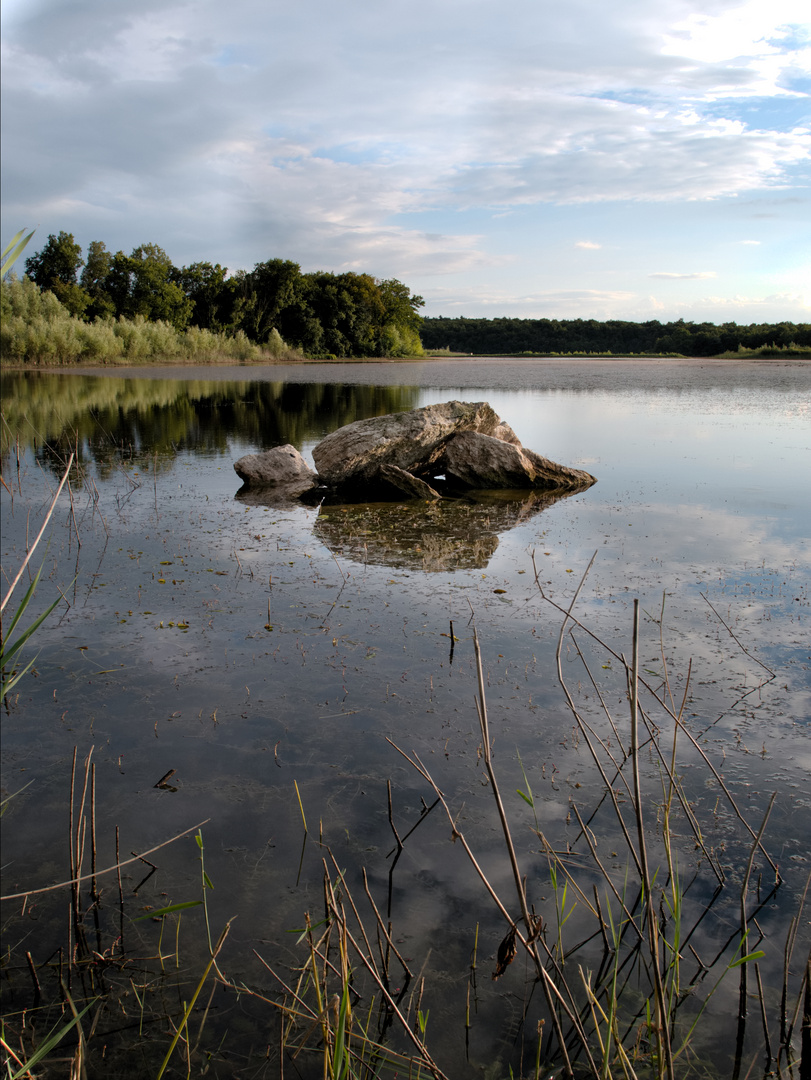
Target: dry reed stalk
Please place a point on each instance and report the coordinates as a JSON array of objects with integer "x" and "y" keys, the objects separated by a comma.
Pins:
[
  {"x": 742, "y": 1000},
  {"x": 585, "y": 729},
  {"x": 120, "y": 892},
  {"x": 609, "y": 880},
  {"x": 34, "y": 979},
  {"x": 554, "y": 994},
  {"x": 391, "y": 820},
  {"x": 94, "y": 892},
  {"x": 425, "y": 1056},
  {"x": 791, "y": 939},
  {"x": 386, "y": 931},
  {"x": 348, "y": 896},
  {"x": 603, "y": 705},
  {"x": 555, "y": 858},
  {"x": 763, "y": 1018},
  {"x": 33, "y": 547},
  {"x": 73, "y": 516},
  {"x": 107, "y": 870},
  {"x": 569, "y": 617},
  {"x": 287, "y": 989},
  {"x": 662, "y": 1025}
]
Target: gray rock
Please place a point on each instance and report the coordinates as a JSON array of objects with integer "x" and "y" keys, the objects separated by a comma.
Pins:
[
  {"x": 473, "y": 460},
  {"x": 422, "y": 454},
  {"x": 407, "y": 483},
  {"x": 506, "y": 434},
  {"x": 282, "y": 468},
  {"x": 353, "y": 455}
]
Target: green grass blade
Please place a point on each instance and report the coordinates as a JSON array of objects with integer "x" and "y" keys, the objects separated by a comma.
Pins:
[
  {"x": 341, "y": 1059},
  {"x": 168, "y": 910},
  {"x": 23, "y": 604},
  {"x": 190, "y": 1007},
  {"x": 32, "y": 629},
  {"x": 745, "y": 959},
  {"x": 13, "y": 250},
  {"x": 53, "y": 1039}
]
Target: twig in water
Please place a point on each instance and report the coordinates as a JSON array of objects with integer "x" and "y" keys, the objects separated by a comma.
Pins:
[{"x": 107, "y": 870}]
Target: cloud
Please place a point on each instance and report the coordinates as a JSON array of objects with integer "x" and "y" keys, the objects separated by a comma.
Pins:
[
  {"x": 753, "y": 242},
  {"x": 685, "y": 277},
  {"x": 775, "y": 307},
  {"x": 342, "y": 137},
  {"x": 560, "y": 303}
]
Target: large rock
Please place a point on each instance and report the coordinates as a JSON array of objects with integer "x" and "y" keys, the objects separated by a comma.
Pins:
[
  {"x": 422, "y": 454},
  {"x": 282, "y": 468},
  {"x": 466, "y": 442},
  {"x": 412, "y": 441},
  {"x": 473, "y": 460}
]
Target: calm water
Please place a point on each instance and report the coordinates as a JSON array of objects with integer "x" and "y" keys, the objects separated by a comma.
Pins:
[{"x": 248, "y": 646}]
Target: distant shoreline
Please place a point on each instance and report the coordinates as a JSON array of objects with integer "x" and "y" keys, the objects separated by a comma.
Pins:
[{"x": 173, "y": 369}]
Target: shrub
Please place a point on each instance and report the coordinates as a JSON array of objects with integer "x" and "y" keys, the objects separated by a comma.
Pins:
[{"x": 37, "y": 329}]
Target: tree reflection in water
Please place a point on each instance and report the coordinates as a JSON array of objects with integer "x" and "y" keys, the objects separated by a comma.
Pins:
[{"x": 105, "y": 414}]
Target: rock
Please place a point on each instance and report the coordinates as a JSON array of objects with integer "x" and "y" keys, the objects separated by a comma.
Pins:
[
  {"x": 506, "y": 434},
  {"x": 407, "y": 483},
  {"x": 466, "y": 441},
  {"x": 282, "y": 468},
  {"x": 353, "y": 455},
  {"x": 473, "y": 460},
  {"x": 422, "y": 454}
]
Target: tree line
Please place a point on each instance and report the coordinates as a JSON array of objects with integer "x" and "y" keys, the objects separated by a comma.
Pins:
[
  {"x": 349, "y": 314},
  {"x": 319, "y": 313},
  {"x": 512, "y": 337}
]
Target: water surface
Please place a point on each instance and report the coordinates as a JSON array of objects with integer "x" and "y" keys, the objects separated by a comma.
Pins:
[{"x": 248, "y": 645}]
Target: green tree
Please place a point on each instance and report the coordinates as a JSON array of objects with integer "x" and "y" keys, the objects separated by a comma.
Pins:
[
  {"x": 349, "y": 310},
  {"x": 205, "y": 285},
  {"x": 55, "y": 268},
  {"x": 59, "y": 260},
  {"x": 140, "y": 284},
  {"x": 270, "y": 291},
  {"x": 94, "y": 279},
  {"x": 400, "y": 334}
]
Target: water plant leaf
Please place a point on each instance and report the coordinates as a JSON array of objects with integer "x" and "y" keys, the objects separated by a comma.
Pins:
[
  {"x": 9, "y": 651},
  {"x": 55, "y": 1036},
  {"x": 168, "y": 910},
  {"x": 745, "y": 959}
]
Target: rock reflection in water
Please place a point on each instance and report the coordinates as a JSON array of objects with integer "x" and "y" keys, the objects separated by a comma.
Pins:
[{"x": 450, "y": 534}]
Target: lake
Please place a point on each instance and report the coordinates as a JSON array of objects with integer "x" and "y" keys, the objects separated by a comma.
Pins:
[{"x": 263, "y": 658}]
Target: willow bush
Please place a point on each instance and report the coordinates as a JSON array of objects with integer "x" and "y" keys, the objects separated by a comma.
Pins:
[{"x": 38, "y": 329}]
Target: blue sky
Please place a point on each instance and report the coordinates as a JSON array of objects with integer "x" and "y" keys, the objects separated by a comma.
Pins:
[{"x": 527, "y": 158}]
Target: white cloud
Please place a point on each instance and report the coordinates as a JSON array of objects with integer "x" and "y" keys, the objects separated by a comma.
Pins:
[
  {"x": 685, "y": 277},
  {"x": 347, "y": 137},
  {"x": 560, "y": 303}
]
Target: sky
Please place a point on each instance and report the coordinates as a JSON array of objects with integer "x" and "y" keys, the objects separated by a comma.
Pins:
[{"x": 631, "y": 160}]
